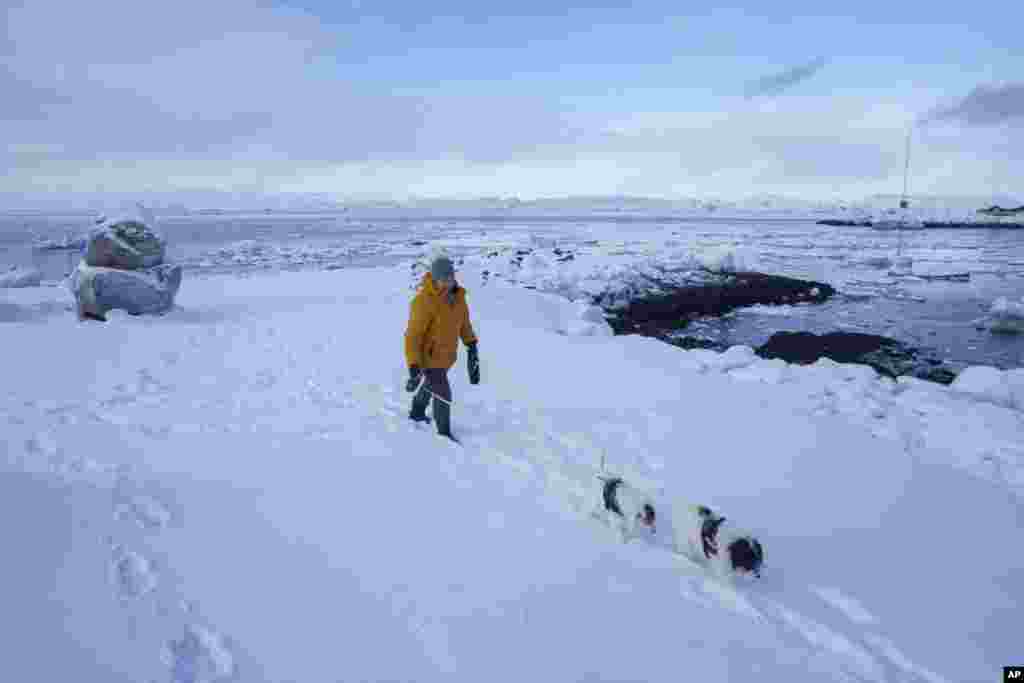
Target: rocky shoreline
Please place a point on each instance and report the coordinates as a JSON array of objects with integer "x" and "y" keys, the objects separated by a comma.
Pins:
[
  {"x": 664, "y": 316},
  {"x": 979, "y": 225},
  {"x": 657, "y": 313},
  {"x": 663, "y": 304}
]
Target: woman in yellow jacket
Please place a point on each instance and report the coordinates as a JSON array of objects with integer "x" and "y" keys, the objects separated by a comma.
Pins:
[{"x": 438, "y": 317}]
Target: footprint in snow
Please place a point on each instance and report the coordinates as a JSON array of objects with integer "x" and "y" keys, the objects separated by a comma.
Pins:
[
  {"x": 848, "y": 655},
  {"x": 853, "y": 610},
  {"x": 145, "y": 511},
  {"x": 132, "y": 574},
  {"x": 201, "y": 655},
  {"x": 42, "y": 444},
  {"x": 900, "y": 660}
]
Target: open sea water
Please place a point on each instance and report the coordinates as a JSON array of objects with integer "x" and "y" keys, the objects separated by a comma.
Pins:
[{"x": 932, "y": 314}]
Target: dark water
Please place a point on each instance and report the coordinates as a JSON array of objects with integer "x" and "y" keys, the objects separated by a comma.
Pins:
[{"x": 932, "y": 314}]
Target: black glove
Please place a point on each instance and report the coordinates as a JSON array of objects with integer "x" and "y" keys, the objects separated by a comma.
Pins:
[
  {"x": 473, "y": 365},
  {"x": 414, "y": 378}
]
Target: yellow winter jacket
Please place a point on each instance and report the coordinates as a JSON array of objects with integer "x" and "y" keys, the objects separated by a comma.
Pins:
[{"x": 435, "y": 325}]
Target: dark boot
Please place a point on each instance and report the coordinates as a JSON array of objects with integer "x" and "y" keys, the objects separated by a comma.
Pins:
[
  {"x": 418, "y": 412},
  {"x": 443, "y": 418}
]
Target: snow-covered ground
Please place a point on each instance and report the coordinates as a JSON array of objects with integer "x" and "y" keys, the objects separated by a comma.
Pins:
[
  {"x": 15, "y": 277},
  {"x": 233, "y": 490}
]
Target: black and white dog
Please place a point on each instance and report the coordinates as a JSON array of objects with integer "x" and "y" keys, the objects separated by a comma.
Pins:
[
  {"x": 697, "y": 532},
  {"x": 625, "y": 507},
  {"x": 707, "y": 538}
]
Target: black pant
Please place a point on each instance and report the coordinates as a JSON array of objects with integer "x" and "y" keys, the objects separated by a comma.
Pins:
[{"x": 436, "y": 383}]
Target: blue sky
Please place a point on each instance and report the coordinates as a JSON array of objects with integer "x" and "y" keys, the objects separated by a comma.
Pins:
[{"x": 461, "y": 99}]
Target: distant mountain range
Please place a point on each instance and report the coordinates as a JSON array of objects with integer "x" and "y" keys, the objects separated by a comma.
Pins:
[{"x": 212, "y": 202}]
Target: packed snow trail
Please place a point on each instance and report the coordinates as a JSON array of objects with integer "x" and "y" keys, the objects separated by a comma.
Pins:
[{"x": 252, "y": 501}]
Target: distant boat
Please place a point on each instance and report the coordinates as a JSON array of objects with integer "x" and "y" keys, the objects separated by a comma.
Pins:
[
  {"x": 898, "y": 224},
  {"x": 904, "y": 222},
  {"x": 1000, "y": 212}
]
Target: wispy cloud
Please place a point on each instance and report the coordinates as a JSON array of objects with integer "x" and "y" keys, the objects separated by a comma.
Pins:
[
  {"x": 986, "y": 105},
  {"x": 778, "y": 83}
]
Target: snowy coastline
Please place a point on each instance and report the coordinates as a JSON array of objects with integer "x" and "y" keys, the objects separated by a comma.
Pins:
[{"x": 205, "y": 456}]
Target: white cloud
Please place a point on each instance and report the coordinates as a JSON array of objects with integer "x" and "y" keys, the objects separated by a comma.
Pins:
[{"x": 129, "y": 95}]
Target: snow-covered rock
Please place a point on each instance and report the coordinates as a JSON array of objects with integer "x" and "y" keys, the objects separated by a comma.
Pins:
[
  {"x": 986, "y": 384},
  {"x": 587, "y": 321},
  {"x": 128, "y": 242},
  {"x": 1006, "y": 316},
  {"x": 138, "y": 292},
  {"x": 739, "y": 356},
  {"x": 727, "y": 259},
  {"x": 20, "y": 277}
]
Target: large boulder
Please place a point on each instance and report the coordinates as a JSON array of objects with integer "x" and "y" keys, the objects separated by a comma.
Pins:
[
  {"x": 127, "y": 243},
  {"x": 138, "y": 292}
]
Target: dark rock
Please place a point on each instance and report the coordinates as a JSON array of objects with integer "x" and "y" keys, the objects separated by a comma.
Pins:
[
  {"x": 674, "y": 310},
  {"x": 888, "y": 356},
  {"x": 690, "y": 343},
  {"x": 844, "y": 223}
]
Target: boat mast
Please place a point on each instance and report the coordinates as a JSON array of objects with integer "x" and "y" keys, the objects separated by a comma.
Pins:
[
  {"x": 903, "y": 198},
  {"x": 906, "y": 170}
]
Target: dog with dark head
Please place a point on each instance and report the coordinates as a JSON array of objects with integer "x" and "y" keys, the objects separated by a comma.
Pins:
[
  {"x": 697, "y": 532},
  {"x": 707, "y": 538}
]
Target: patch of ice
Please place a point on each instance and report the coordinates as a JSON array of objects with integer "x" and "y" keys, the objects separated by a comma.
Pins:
[
  {"x": 1006, "y": 316},
  {"x": 727, "y": 259},
  {"x": 780, "y": 310},
  {"x": 878, "y": 261}
]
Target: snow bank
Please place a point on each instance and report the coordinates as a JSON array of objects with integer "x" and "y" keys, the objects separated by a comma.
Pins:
[
  {"x": 20, "y": 277},
  {"x": 612, "y": 274},
  {"x": 1002, "y": 387}
]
